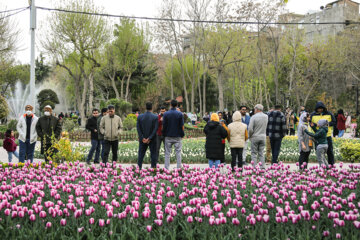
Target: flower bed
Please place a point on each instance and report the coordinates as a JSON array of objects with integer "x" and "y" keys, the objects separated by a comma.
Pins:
[
  {"x": 74, "y": 201},
  {"x": 193, "y": 151}
]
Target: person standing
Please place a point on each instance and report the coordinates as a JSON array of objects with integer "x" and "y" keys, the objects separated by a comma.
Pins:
[
  {"x": 46, "y": 127},
  {"x": 9, "y": 145},
  {"x": 276, "y": 129},
  {"x": 245, "y": 118},
  {"x": 91, "y": 125},
  {"x": 305, "y": 141},
  {"x": 104, "y": 111},
  {"x": 321, "y": 144},
  {"x": 238, "y": 136},
  {"x": 341, "y": 119},
  {"x": 159, "y": 136},
  {"x": 193, "y": 118},
  {"x": 110, "y": 127},
  {"x": 321, "y": 112},
  {"x": 290, "y": 121},
  {"x": 26, "y": 128},
  {"x": 173, "y": 131},
  {"x": 257, "y": 134},
  {"x": 215, "y": 133},
  {"x": 147, "y": 125}
]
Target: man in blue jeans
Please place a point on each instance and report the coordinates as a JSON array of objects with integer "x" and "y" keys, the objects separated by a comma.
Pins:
[
  {"x": 26, "y": 128},
  {"x": 147, "y": 125},
  {"x": 276, "y": 130},
  {"x": 92, "y": 126},
  {"x": 173, "y": 131},
  {"x": 104, "y": 111}
]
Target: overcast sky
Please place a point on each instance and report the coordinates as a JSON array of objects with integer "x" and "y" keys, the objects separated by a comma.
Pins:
[{"x": 146, "y": 8}]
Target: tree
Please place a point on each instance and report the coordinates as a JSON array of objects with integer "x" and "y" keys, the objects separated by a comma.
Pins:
[
  {"x": 47, "y": 97},
  {"x": 42, "y": 70},
  {"x": 130, "y": 45},
  {"x": 74, "y": 42}
]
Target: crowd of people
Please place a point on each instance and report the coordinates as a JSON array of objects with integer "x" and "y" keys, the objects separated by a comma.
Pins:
[{"x": 242, "y": 128}]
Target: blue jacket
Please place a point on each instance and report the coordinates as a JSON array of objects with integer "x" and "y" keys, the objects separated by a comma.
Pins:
[
  {"x": 173, "y": 123},
  {"x": 147, "y": 125},
  {"x": 247, "y": 120}
]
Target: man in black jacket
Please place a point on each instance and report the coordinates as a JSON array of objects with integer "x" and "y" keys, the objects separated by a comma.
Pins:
[
  {"x": 47, "y": 126},
  {"x": 147, "y": 125},
  {"x": 92, "y": 126},
  {"x": 276, "y": 130}
]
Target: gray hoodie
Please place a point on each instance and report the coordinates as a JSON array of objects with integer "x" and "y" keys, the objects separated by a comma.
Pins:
[{"x": 257, "y": 126}]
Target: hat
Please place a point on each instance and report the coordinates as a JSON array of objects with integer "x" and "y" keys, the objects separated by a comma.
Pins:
[
  {"x": 48, "y": 106},
  {"x": 322, "y": 122},
  {"x": 214, "y": 117},
  {"x": 29, "y": 106}
]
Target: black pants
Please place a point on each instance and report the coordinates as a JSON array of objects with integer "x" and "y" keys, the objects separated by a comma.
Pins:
[
  {"x": 142, "y": 150},
  {"x": 304, "y": 158},
  {"x": 291, "y": 131},
  {"x": 275, "y": 149},
  {"x": 236, "y": 153},
  {"x": 159, "y": 140},
  {"x": 330, "y": 151},
  {"x": 114, "y": 148}
]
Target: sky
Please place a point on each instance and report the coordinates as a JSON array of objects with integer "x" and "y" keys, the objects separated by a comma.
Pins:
[{"x": 143, "y": 8}]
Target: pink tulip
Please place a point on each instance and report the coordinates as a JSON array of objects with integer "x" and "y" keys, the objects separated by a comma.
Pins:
[
  {"x": 148, "y": 228},
  {"x": 42, "y": 214},
  {"x": 63, "y": 222},
  {"x": 91, "y": 220},
  {"x": 101, "y": 222},
  {"x": 235, "y": 221},
  {"x": 32, "y": 217},
  {"x": 357, "y": 224},
  {"x": 48, "y": 225},
  {"x": 190, "y": 219},
  {"x": 326, "y": 233},
  {"x": 266, "y": 218}
]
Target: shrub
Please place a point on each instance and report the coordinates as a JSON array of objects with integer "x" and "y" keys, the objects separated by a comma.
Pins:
[
  {"x": 69, "y": 125},
  {"x": 4, "y": 108},
  {"x": 350, "y": 151},
  {"x": 121, "y": 106},
  {"x": 12, "y": 124},
  {"x": 202, "y": 124},
  {"x": 130, "y": 122}
]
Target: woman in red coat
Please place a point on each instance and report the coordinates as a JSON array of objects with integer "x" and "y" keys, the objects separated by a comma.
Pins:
[
  {"x": 341, "y": 119},
  {"x": 10, "y": 145}
]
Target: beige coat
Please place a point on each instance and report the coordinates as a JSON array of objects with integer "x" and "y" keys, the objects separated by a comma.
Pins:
[
  {"x": 111, "y": 127},
  {"x": 237, "y": 132}
]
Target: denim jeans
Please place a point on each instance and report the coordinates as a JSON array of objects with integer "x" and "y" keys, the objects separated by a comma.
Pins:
[
  {"x": 95, "y": 146},
  {"x": 330, "y": 151},
  {"x": 142, "y": 150},
  {"x": 213, "y": 163},
  {"x": 12, "y": 153},
  {"x": 25, "y": 148},
  {"x": 341, "y": 133},
  {"x": 275, "y": 149},
  {"x": 159, "y": 140}
]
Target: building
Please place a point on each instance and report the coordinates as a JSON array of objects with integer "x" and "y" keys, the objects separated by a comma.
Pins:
[{"x": 338, "y": 11}]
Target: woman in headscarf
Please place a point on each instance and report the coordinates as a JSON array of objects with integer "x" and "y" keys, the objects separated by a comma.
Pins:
[
  {"x": 305, "y": 141},
  {"x": 215, "y": 133}
]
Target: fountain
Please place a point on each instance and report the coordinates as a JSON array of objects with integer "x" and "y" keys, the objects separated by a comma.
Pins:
[{"x": 19, "y": 98}]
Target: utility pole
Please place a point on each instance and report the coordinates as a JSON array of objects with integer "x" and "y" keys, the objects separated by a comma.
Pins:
[{"x": 32, "y": 54}]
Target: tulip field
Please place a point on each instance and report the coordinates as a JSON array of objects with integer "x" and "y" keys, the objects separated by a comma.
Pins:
[{"x": 114, "y": 202}]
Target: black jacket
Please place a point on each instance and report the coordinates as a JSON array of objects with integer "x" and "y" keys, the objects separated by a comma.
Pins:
[
  {"x": 215, "y": 133},
  {"x": 147, "y": 125},
  {"x": 46, "y": 126},
  {"x": 91, "y": 125},
  {"x": 315, "y": 117},
  {"x": 276, "y": 127}
]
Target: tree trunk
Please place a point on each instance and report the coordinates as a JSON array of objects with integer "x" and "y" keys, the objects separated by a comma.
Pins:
[
  {"x": 204, "y": 90},
  {"x": 113, "y": 84},
  {"x": 122, "y": 87},
  {"x": 91, "y": 91},
  {"x": 171, "y": 78},
  {"x": 127, "y": 87},
  {"x": 221, "y": 89},
  {"x": 200, "y": 100},
  {"x": 185, "y": 91},
  {"x": 82, "y": 103},
  {"x": 276, "y": 75},
  {"x": 233, "y": 91}
]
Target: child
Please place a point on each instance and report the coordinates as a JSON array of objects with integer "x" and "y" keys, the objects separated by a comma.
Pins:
[
  {"x": 321, "y": 144},
  {"x": 10, "y": 145}
]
